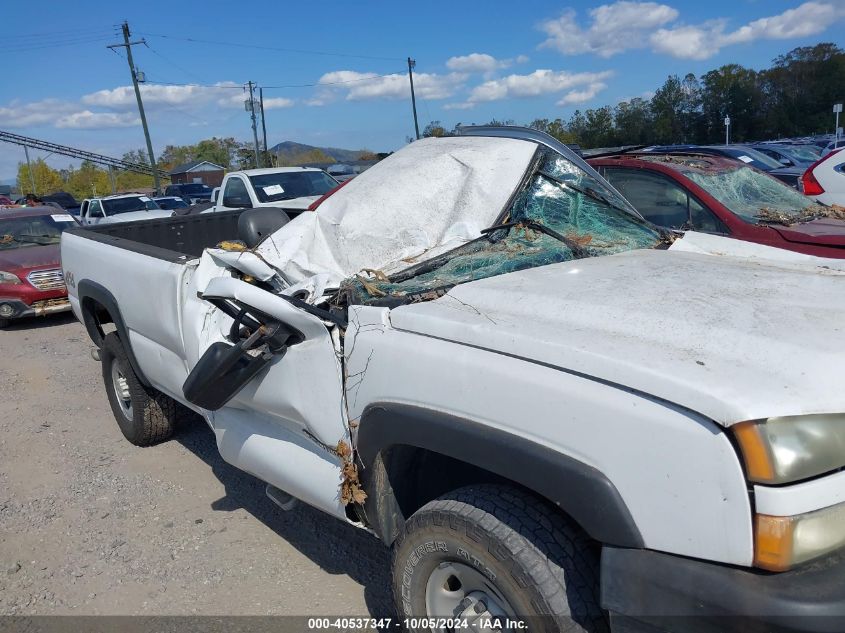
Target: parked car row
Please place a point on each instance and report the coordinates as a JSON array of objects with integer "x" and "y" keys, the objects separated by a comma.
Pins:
[{"x": 552, "y": 394}]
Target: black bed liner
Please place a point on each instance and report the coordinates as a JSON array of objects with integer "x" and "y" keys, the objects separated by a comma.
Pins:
[{"x": 176, "y": 239}]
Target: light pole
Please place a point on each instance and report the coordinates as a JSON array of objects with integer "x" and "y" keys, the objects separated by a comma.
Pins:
[
  {"x": 837, "y": 108},
  {"x": 727, "y": 130}
]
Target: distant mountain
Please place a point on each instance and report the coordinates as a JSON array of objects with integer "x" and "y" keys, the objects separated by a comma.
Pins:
[{"x": 290, "y": 149}]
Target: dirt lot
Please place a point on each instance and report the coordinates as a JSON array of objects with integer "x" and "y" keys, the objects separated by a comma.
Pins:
[{"x": 90, "y": 524}]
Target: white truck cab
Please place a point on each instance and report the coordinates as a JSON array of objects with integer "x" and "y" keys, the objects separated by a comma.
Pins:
[
  {"x": 291, "y": 188},
  {"x": 120, "y": 208}
]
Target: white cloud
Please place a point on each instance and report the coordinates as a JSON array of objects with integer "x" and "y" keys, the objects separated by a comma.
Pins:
[
  {"x": 465, "y": 105},
  {"x": 589, "y": 93},
  {"x": 705, "y": 40},
  {"x": 158, "y": 94},
  {"x": 613, "y": 28},
  {"x": 19, "y": 114},
  {"x": 362, "y": 86},
  {"x": 540, "y": 82},
  {"x": 626, "y": 25},
  {"x": 481, "y": 63},
  {"x": 87, "y": 120},
  {"x": 277, "y": 102}
]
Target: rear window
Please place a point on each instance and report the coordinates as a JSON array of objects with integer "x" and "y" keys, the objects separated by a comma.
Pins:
[
  {"x": 195, "y": 188},
  {"x": 116, "y": 206},
  {"x": 292, "y": 184}
]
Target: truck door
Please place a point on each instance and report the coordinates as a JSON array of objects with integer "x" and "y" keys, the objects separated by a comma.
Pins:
[
  {"x": 235, "y": 194},
  {"x": 268, "y": 375},
  {"x": 95, "y": 212}
]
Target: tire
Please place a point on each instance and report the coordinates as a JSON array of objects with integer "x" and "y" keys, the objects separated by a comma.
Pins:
[
  {"x": 4, "y": 323},
  {"x": 528, "y": 559},
  {"x": 151, "y": 416}
]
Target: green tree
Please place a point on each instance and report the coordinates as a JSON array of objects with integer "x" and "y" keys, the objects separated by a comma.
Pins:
[
  {"x": 88, "y": 181},
  {"x": 598, "y": 129},
  {"x": 47, "y": 179},
  {"x": 667, "y": 112},
  {"x": 735, "y": 91},
  {"x": 434, "y": 129},
  {"x": 633, "y": 122}
]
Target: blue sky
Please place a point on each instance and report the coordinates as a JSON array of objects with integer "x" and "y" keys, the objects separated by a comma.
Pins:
[{"x": 475, "y": 61}]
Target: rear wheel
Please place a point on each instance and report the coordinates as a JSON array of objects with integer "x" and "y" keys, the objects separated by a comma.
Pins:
[
  {"x": 145, "y": 416},
  {"x": 491, "y": 552}
]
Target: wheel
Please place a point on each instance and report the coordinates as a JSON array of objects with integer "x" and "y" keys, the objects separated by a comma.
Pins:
[
  {"x": 145, "y": 416},
  {"x": 4, "y": 323},
  {"x": 490, "y": 551}
]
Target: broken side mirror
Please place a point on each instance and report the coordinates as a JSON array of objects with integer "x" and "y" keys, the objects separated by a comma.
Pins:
[{"x": 226, "y": 367}]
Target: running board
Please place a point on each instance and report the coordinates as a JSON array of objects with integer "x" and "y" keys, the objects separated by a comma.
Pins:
[{"x": 282, "y": 499}]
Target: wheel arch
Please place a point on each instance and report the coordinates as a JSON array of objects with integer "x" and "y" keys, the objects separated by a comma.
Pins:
[
  {"x": 392, "y": 438},
  {"x": 94, "y": 300}
]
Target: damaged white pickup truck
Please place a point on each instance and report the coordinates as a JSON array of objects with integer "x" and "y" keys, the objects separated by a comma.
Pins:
[{"x": 481, "y": 353}]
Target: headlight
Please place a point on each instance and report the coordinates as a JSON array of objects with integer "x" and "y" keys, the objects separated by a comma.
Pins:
[
  {"x": 787, "y": 449},
  {"x": 783, "y": 542},
  {"x": 8, "y": 278}
]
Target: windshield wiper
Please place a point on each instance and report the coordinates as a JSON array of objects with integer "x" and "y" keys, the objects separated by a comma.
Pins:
[
  {"x": 578, "y": 250},
  {"x": 590, "y": 193}
]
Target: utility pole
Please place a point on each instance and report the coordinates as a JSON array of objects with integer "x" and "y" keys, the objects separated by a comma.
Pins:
[
  {"x": 250, "y": 107},
  {"x": 411, "y": 65},
  {"x": 134, "y": 72},
  {"x": 263, "y": 123},
  {"x": 29, "y": 169},
  {"x": 727, "y": 130},
  {"x": 837, "y": 108}
]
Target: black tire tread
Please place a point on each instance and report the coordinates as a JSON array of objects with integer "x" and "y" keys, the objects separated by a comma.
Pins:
[
  {"x": 558, "y": 559},
  {"x": 155, "y": 414}
]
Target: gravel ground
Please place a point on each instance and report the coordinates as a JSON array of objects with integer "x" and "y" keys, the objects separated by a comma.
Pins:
[{"x": 90, "y": 524}]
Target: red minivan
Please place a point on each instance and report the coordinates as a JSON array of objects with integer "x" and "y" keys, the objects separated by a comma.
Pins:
[
  {"x": 717, "y": 195},
  {"x": 31, "y": 282}
]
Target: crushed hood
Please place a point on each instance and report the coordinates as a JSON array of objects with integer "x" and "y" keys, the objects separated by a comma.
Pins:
[
  {"x": 428, "y": 197},
  {"x": 731, "y": 337}
]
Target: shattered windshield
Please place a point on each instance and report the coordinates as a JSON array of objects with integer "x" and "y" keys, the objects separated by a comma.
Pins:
[
  {"x": 559, "y": 216},
  {"x": 32, "y": 230},
  {"x": 756, "y": 197}
]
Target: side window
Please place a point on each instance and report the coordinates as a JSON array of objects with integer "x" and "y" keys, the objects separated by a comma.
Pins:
[
  {"x": 235, "y": 194},
  {"x": 95, "y": 210},
  {"x": 655, "y": 196},
  {"x": 704, "y": 220}
]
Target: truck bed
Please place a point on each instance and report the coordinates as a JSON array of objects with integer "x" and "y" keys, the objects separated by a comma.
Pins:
[{"x": 175, "y": 239}]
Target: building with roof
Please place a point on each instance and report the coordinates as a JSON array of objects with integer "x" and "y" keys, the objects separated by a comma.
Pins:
[{"x": 198, "y": 171}]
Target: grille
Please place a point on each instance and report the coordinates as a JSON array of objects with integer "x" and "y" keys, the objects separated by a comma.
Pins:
[{"x": 47, "y": 279}]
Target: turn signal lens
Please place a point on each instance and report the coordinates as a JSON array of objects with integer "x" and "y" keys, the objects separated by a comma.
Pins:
[
  {"x": 784, "y": 542},
  {"x": 773, "y": 542},
  {"x": 755, "y": 452}
]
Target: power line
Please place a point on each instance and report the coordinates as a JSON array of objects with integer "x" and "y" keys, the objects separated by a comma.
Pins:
[
  {"x": 66, "y": 33},
  {"x": 74, "y": 42},
  {"x": 270, "y": 48}
]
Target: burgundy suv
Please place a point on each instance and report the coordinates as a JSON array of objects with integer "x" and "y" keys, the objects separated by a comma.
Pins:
[{"x": 31, "y": 282}]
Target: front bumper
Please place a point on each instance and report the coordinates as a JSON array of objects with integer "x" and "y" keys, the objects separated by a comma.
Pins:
[
  {"x": 647, "y": 591},
  {"x": 19, "y": 309}
]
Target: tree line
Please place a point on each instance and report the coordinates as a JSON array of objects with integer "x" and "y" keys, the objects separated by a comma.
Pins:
[
  {"x": 90, "y": 180},
  {"x": 793, "y": 97}
]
